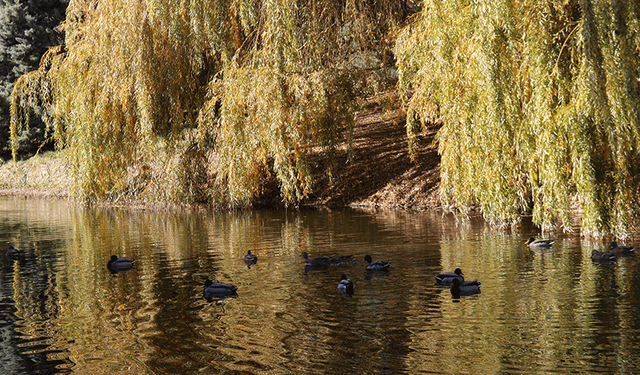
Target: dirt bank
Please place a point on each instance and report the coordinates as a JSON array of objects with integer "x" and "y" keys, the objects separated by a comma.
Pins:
[{"x": 380, "y": 172}]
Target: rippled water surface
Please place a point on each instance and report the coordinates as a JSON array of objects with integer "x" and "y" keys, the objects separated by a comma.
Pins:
[{"x": 62, "y": 311}]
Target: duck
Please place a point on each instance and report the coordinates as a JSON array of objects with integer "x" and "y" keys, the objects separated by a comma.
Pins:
[
  {"x": 13, "y": 254},
  {"x": 457, "y": 289},
  {"x": 217, "y": 290},
  {"x": 346, "y": 286},
  {"x": 250, "y": 258},
  {"x": 599, "y": 256},
  {"x": 621, "y": 250},
  {"x": 317, "y": 261},
  {"x": 378, "y": 265},
  {"x": 532, "y": 243},
  {"x": 446, "y": 278},
  {"x": 116, "y": 264}
]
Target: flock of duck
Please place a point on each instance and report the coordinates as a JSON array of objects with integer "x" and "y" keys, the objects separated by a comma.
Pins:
[
  {"x": 216, "y": 290},
  {"x": 459, "y": 286},
  {"x": 345, "y": 285},
  {"x": 455, "y": 279},
  {"x": 615, "y": 250}
]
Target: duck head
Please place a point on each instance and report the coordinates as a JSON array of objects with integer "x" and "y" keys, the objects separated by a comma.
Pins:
[{"x": 13, "y": 253}]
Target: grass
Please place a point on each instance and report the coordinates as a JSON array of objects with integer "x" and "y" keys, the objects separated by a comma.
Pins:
[{"x": 43, "y": 175}]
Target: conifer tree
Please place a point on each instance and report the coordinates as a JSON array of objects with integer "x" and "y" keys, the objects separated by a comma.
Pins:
[{"x": 27, "y": 29}]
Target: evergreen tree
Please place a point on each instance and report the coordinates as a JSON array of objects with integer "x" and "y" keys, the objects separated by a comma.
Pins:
[{"x": 27, "y": 29}]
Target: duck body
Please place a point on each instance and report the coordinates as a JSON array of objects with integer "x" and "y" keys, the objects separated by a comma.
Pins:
[
  {"x": 601, "y": 256},
  {"x": 378, "y": 265},
  {"x": 621, "y": 250},
  {"x": 457, "y": 289},
  {"x": 116, "y": 264},
  {"x": 13, "y": 254},
  {"x": 250, "y": 258},
  {"x": 469, "y": 282},
  {"x": 317, "y": 261},
  {"x": 532, "y": 243},
  {"x": 446, "y": 278},
  {"x": 346, "y": 286},
  {"x": 213, "y": 290}
]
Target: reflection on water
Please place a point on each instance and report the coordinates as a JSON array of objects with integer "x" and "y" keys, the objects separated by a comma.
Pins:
[{"x": 541, "y": 311}]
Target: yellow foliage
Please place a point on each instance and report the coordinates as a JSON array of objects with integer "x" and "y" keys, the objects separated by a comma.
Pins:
[
  {"x": 192, "y": 100},
  {"x": 538, "y": 102}
]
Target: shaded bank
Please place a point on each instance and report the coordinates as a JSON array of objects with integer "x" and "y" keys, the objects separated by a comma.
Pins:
[{"x": 380, "y": 171}]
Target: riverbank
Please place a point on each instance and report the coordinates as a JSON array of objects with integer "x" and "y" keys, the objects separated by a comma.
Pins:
[
  {"x": 380, "y": 172},
  {"x": 376, "y": 172},
  {"x": 40, "y": 176}
]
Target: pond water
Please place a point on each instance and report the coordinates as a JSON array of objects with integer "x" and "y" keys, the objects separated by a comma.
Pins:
[{"x": 539, "y": 312}]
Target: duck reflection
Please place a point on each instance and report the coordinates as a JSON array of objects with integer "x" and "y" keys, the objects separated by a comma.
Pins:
[
  {"x": 315, "y": 267},
  {"x": 458, "y": 289}
]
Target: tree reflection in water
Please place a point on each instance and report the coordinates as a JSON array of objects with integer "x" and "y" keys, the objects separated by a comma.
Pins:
[{"x": 539, "y": 311}]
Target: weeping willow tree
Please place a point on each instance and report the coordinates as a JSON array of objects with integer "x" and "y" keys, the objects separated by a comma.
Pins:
[
  {"x": 538, "y": 102},
  {"x": 192, "y": 100}
]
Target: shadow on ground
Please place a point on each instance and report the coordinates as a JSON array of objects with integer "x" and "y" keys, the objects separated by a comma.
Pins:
[{"x": 380, "y": 171}]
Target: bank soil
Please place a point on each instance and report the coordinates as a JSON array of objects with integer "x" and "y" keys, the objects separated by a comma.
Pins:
[{"x": 378, "y": 170}]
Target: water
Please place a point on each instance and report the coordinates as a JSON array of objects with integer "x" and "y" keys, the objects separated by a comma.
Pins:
[{"x": 540, "y": 312}]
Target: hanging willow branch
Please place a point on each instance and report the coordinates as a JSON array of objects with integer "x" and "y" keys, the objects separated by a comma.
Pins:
[
  {"x": 193, "y": 100},
  {"x": 539, "y": 103}
]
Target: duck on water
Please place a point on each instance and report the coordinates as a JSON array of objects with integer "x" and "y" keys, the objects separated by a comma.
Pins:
[
  {"x": 116, "y": 264},
  {"x": 346, "y": 286},
  {"x": 446, "y": 278},
  {"x": 217, "y": 290},
  {"x": 532, "y": 243},
  {"x": 13, "y": 253},
  {"x": 377, "y": 265},
  {"x": 250, "y": 259},
  {"x": 457, "y": 289},
  {"x": 621, "y": 250}
]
